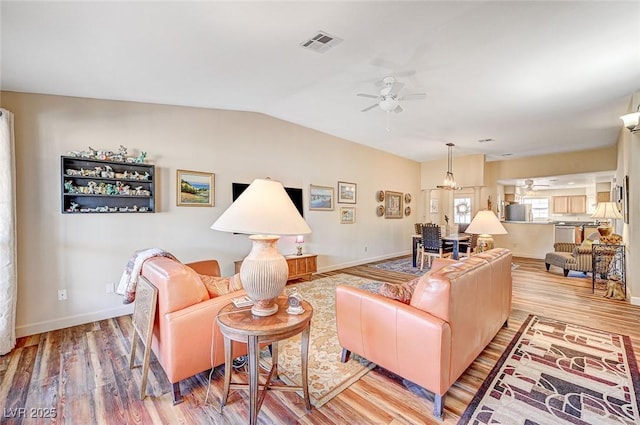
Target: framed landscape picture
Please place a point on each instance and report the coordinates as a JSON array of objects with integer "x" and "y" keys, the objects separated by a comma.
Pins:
[
  {"x": 347, "y": 215},
  {"x": 392, "y": 204},
  {"x": 346, "y": 193},
  {"x": 320, "y": 198},
  {"x": 195, "y": 189}
]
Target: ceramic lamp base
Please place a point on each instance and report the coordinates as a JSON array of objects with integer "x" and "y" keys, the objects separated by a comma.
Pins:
[
  {"x": 264, "y": 274},
  {"x": 264, "y": 308},
  {"x": 485, "y": 243}
]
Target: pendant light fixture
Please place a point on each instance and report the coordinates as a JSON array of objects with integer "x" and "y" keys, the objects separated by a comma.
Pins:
[{"x": 449, "y": 181}]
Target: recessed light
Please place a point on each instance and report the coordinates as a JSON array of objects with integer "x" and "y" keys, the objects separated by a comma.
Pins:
[{"x": 571, "y": 183}]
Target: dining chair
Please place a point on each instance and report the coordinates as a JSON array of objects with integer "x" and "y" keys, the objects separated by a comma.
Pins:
[
  {"x": 432, "y": 245},
  {"x": 468, "y": 248}
]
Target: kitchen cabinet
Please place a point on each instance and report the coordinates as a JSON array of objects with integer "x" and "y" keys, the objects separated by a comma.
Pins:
[
  {"x": 603, "y": 197},
  {"x": 574, "y": 204}
]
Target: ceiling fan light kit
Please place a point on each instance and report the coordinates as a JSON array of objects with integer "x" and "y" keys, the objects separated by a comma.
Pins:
[
  {"x": 388, "y": 98},
  {"x": 449, "y": 182}
]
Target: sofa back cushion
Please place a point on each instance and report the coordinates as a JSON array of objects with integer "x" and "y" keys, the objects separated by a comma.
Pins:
[
  {"x": 474, "y": 297},
  {"x": 178, "y": 286}
]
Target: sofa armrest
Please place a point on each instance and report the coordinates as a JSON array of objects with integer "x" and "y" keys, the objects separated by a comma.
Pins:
[
  {"x": 186, "y": 338},
  {"x": 410, "y": 342},
  {"x": 206, "y": 267}
]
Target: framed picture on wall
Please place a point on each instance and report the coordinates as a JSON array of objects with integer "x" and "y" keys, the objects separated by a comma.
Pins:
[
  {"x": 625, "y": 200},
  {"x": 346, "y": 193},
  {"x": 195, "y": 189},
  {"x": 433, "y": 206},
  {"x": 347, "y": 215},
  {"x": 320, "y": 198},
  {"x": 392, "y": 204}
]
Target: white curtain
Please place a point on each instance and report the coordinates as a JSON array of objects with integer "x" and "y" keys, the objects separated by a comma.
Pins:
[{"x": 8, "y": 252}]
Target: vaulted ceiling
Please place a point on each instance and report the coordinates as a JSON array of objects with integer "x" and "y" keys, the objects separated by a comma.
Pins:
[{"x": 534, "y": 77}]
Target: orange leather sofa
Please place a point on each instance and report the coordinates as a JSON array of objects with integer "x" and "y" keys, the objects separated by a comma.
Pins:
[
  {"x": 185, "y": 325},
  {"x": 455, "y": 311}
]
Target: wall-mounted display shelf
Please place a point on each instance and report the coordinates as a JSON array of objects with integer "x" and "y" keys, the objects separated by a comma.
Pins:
[{"x": 97, "y": 186}]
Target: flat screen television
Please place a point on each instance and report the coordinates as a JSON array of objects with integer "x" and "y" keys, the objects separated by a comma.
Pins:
[{"x": 294, "y": 193}]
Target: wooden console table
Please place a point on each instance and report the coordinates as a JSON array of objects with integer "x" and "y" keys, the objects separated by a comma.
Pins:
[
  {"x": 300, "y": 266},
  {"x": 239, "y": 324}
]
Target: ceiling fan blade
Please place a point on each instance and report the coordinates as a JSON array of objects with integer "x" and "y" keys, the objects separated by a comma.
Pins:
[
  {"x": 413, "y": 96},
  {"x": 371, "y": 96},
  {"x": 398, "y": 109},
  {"x": 369, "y": 107}
]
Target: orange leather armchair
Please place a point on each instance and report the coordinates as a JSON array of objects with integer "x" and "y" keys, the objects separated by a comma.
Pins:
[
  {"x": 455, "y": 311},
  {"x": 185, "y": 326}
]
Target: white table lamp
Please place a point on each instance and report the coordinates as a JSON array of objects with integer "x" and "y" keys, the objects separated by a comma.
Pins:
[
  {"x": 265, "y": 211},
  {"x": 606, "y": 210},
  {"x": 485, "y": 224}
]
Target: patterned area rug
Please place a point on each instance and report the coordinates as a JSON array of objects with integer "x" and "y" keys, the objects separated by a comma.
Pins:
[
  {"x": 559, "y": 373},
  {"x": 327, "y": 376},
  {"x": 403, "y": 265}
]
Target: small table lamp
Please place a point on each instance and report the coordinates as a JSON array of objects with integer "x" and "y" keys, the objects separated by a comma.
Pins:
[
  {"x": 265, "y": 211},
  {"x": 485, "y": 224},
  {"x": 299, "y": 242},
  {"x": 606, "y": 210}
]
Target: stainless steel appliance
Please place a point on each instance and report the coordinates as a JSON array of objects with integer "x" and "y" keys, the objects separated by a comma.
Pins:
[
  {"x": 518, "y": 212},
  {"x": 565, "y": 233}
]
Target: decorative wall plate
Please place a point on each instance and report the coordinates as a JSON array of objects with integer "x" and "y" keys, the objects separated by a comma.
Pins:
[
  {"x": 407, "y": 211},
  {"x": 407, "y": 198},
  {"x": 380, "y": 210},
  {"x": 380, "y": 195}
]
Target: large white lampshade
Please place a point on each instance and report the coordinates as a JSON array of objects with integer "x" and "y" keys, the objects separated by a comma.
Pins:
[
  {"x": 484, "y": 224},
  {"x": 265, "y": 211},
  {"x": 606, "y": 210}
]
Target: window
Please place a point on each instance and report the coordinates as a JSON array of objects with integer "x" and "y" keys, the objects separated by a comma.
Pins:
[
  {"x": 462, "y": 209},
  {"x": 539, "y": 207}
]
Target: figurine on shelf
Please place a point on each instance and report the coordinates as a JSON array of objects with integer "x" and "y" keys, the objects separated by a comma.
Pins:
[
  {"x": 146, "y": 175},
  {"x": 73, "y": 207},
  {"x": 69, "y": 187},
  {"x": 140, "y": 158}
]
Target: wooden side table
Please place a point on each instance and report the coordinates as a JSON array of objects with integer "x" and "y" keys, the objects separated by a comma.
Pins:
[{"x": 238, "y": 324}]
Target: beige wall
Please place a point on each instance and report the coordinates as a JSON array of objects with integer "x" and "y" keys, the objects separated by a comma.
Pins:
[
  {"x": 627, "y": 161},
  {"x": 85, "y": 253}
]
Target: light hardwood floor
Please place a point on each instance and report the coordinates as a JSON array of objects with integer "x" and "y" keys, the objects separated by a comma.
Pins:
[{"x": 83, "y": 371}]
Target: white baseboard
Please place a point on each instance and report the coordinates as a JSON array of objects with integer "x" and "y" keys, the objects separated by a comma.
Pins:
[
  {"x": 635, "y": 300},
  {"x": 65, "y": 322},
  {"x": 361, "y": 261}
]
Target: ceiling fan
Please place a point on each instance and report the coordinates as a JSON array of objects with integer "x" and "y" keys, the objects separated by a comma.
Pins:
[
  {"x": 529, "y": 184},
  {"x": 388, "y": 99}
]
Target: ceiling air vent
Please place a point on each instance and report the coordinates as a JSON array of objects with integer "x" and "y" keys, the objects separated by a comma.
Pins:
[{"x": 321, "y": 42}]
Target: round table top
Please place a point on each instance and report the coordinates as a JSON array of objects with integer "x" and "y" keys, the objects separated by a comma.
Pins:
[{"x": 235, "y": 322}]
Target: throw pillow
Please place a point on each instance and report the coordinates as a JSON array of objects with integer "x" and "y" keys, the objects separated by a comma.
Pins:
[
  {"x": 235, "y": 284},
  {"x": 586, "y": 243},
  {"x": 402, "y": 292},
  {"x": 216, "y": 286}
]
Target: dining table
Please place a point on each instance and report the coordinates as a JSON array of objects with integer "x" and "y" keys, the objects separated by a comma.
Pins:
[{"x": 456, "y": 238}]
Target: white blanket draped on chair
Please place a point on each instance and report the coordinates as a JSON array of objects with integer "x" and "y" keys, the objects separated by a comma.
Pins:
[{"x": 8, "y": 252}]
